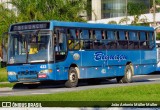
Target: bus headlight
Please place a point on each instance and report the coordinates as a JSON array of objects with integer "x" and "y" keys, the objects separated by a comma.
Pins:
[
  {"x": 46, "y": 71},
  {"x": 11, "y": 73}
]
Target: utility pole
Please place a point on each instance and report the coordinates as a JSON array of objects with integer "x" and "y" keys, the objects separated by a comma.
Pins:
[
  {"x": 154, "y": 13},
  {"x": 126, "y": 12}
]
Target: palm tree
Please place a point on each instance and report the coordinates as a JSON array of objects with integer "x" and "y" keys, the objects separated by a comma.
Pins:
[
  {"x": 7, "y": 17},
  {"x": 67, "y": 10}
]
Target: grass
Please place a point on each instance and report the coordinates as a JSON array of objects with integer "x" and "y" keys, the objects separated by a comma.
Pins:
[
  {"x": 7, "y": 85},
  {"x": 3, "y": 75},
  {"x": 147, "y": 92}
]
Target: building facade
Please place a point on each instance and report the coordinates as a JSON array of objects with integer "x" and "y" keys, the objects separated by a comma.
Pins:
[{"x": 103, "y": 9}]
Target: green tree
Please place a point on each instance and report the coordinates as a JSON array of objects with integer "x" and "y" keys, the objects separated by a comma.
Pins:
[
  {"x": 67, "y": 10},
  {"x": 136, "y": 9},
  {"x": 29, "y": 10},
  {"x": 124, "y": 20},
  {"x": 112, "y": 22},
  {"x": 157, "y": 3},
  {"x": 7, "y": 17}
]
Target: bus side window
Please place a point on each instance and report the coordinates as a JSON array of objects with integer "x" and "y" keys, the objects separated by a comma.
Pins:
[
  {"x": 71, "y": 40},
  {"x": 123, "y": 43},
  {"x": 122, "y": 35},
  {"x": 143, "y": 41},
  {"x": 132, "y": 40},
  {"x": 151, "y": 40},
  {"x": 85, "y": 42},
  {"x": 62, "y": 39},
  {"x": 104, "y": 39},
  {"x": 98, "y": 38},
  {"x": 104, "y": 35},
  {"x": 56, "y": 39},
  {"x": 111, "y": 40},
  {"x": 59, "y": 39},
  {"x": 98, "y": 35}
]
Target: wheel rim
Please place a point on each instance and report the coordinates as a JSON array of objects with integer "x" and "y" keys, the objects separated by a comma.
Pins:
[
  {"x": 72, "y": 77},
  {"x": 129, "y": 74}
]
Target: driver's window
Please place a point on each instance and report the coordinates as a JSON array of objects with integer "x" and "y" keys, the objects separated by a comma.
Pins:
[{"x": 33, "y": 49}]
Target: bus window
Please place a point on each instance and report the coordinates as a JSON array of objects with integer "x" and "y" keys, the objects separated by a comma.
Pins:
[
  {"x": 132, "y": 36},
  {"x": 151, "y": 40},
  {"x": 122, "y": 35},
  {"x": 99, "y": 39},
  {"x": 98, "y": 35},
  {"x": 111, "y": 40},
  {"x": 91, "y": 38},
  {"x": 73, "y": 33},
  {"x": 85, "y": 34},
  {"x": 132, "y": 40},
  {"x": 74, "y": 42},
  {"x": 85, "y": 42},
  {"x": 60, "y": 44},
  {"x": 104, "y": 39},
  {"x": 110, "y": 35},
  {"x": 33, "y": 45},
  {"x": 126, "y": 35},
  {"x": 62, "y": 40},
  {"x": 122, "y": 41},
  {"x": 143, "y": 40},
  {"x": 104, "y": 35}
]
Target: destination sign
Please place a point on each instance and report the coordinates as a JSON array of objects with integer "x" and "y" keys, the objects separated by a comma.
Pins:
[{"x": 30, "y": 26}]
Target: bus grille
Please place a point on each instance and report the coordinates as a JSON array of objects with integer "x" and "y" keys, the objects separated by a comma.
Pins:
[{"x": 25, "y": 76}]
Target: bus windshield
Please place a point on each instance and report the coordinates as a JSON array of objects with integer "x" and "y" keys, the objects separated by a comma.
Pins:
[{"x": 29, "y": 47}]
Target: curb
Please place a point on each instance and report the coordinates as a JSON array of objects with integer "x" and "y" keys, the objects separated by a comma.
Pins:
[
  {"x": 4, "y": 82},
  {"x": 5, "y": 89}
]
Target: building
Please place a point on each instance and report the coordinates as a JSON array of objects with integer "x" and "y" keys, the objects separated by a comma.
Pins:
[
  {"x": 7, "y": 4},
  {"x": 107, "y": 11},
  {"x": 103, "y": 9}
]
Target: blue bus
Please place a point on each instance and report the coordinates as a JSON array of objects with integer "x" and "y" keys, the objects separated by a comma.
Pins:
[{"x": 70, "y": 51}]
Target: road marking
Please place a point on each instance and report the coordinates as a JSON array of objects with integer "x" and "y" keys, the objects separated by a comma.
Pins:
[
  {"x": 139, "y": 76},
  {"x": 39, "y": 93},
  {"x": 154, "y": 79},
  {"x": 6, "y": 93}
]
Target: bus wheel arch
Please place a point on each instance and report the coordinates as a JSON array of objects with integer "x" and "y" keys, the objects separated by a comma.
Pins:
[
  {"x": 128, "y": 73},
  {"x": 73, "y": 77},
  {"x": 76, "y": 67},
  {"x": 131, "y": 65}
]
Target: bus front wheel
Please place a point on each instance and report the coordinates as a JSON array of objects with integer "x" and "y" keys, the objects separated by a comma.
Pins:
[
  {"x": 72, "y": 78},
  {"x": 127, "y": 78}
]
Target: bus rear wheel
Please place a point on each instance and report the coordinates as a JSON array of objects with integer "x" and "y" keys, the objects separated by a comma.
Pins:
[
  {"x": 72, "y": 78},
  {"x": 127, "y": 78}
]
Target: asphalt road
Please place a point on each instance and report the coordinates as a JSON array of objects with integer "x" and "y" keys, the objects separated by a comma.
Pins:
[{"x": 57, "y": 88}]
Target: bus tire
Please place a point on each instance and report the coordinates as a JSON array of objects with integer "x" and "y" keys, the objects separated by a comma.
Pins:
[
  {"x": 127, "y": 78},
  {"x": 72, "y": 78}
]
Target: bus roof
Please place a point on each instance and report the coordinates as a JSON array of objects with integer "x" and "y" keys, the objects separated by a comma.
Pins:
[
  {"x": 106, "y": 26},
  {"x": 92, "y": 25}
]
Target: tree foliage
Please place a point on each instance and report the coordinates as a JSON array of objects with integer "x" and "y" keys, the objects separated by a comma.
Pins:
[
  {"x": 66, "y": 10},
  {"x": 112, "y": 22},
  {"x": 136, "y": 9},
  {"x": 7, "y": 17},
  {"x": 31, "y": 10}
]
